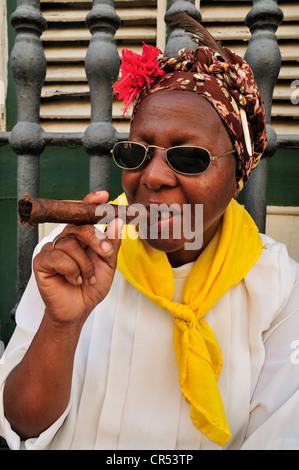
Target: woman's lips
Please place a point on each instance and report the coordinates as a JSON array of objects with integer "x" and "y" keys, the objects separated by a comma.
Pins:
[
  {"x": 162, "y": 212},
  {"x": 157, "y": 219},
  {"x": 163, "y": 221}
]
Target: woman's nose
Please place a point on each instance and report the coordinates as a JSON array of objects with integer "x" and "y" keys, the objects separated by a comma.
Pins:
[{"x": 157, "y": 173}]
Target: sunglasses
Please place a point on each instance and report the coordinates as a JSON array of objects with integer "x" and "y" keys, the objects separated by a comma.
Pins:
[{"x": 185, "y": 160}]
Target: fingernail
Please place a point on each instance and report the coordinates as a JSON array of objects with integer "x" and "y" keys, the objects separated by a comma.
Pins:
[
  {"x": 106, "y": 246},
  {"x": 92, "y": 281},
  {"x": 79, "y": 280}
]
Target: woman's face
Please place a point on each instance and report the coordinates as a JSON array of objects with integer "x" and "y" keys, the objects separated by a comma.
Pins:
[{"x": 168, "y": 119}]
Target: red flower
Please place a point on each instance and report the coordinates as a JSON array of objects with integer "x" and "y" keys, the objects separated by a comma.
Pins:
[{"x": 137, "y": 72}]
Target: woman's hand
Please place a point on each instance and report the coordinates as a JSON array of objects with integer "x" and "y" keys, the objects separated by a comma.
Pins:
[
  {"x": 76, "y": 273},
  {"x": 73, "y": 276}
]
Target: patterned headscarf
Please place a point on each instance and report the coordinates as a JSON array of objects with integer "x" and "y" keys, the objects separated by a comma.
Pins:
[{"x": 229, "y": 86}]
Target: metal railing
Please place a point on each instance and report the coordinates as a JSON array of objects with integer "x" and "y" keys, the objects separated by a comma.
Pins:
[{"x": 28, "y": 65}]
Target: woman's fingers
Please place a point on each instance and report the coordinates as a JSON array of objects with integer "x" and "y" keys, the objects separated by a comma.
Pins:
[
  {"x": 88, "y": 235},
  {"x": 51, "y": 262},
  {"x": 111, "y": 236},
  {"x": 74, "y": 249},
  {"x": 71, "y": 249},
  {"x": 75, "y": 272},
  {"x": 97, "y": 197}
]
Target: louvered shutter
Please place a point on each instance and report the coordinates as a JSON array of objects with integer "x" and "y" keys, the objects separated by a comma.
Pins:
[
  {"x": 65, "y": 96},
  {"x": 226, "y": 21}
]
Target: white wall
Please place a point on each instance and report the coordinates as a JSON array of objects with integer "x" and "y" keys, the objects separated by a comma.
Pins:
[{"x": 282, "y": 224}]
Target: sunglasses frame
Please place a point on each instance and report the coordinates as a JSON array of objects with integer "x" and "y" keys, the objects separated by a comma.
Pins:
[{"x": 148, "y": 157}]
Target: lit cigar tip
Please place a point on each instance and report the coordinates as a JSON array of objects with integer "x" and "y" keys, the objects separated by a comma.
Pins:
[{"x": 24, "y": 209}]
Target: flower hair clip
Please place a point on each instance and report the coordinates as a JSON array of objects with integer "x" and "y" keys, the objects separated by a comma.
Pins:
[{"x": 137, "y": 72}]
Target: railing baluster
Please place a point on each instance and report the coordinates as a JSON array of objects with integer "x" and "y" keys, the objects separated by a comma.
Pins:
[
  {"x": 263, "y": 56},
  {"x": 28, "y": 65},
  {"x": 102, "y": 67}
]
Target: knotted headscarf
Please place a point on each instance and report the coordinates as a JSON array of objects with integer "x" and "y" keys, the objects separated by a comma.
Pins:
[{"x": 229, "y": 86}]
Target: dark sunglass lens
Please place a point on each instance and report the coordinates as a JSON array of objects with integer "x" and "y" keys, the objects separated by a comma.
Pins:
[
  {"x": 189, "y": 159},
  {"x": 128, "y": 154}
]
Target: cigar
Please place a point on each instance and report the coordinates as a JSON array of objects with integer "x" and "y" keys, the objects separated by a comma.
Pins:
[{"x": 37, "y": 211}]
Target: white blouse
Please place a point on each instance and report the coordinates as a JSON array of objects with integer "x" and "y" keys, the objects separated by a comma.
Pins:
[{"x": 125, "y": 392}]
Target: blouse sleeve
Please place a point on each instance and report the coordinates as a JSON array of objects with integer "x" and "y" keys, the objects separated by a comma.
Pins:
[
  {"x": 274, "y": 416},
  {"x": 28, "y": 318}
]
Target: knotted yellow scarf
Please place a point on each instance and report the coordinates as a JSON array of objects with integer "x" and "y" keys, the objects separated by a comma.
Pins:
[{"x": 234, "y": 249}]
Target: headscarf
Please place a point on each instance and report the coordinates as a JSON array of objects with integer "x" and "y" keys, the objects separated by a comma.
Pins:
[{"x": 229, "y": 86}]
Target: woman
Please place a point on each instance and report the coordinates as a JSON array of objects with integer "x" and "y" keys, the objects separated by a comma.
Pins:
[{"x": 185, "y": 345}]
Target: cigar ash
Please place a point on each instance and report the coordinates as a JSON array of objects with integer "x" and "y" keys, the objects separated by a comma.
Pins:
[{"x": 24, "y": 209}]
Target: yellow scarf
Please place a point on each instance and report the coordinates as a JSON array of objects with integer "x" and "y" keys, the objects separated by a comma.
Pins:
[{"x": 234, "y": 249}]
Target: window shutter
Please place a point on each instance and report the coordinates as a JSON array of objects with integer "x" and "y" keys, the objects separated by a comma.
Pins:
[
  {"x": 226, "y": 22},
  {"x": 65, "y": 104}
]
